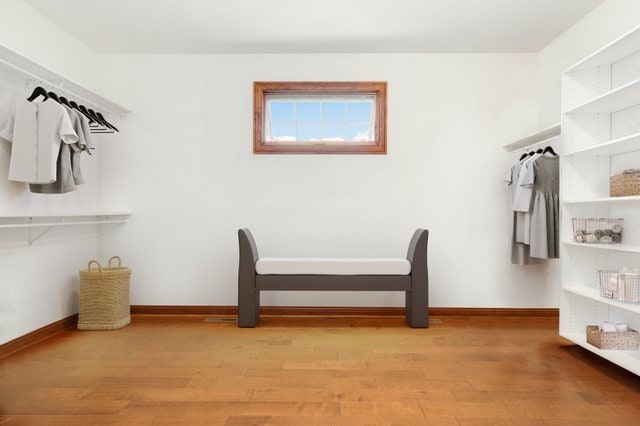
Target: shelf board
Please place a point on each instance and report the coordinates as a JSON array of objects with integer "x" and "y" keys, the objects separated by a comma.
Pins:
[
  {"x": 618, "y": 49},
  {"x": 31, "y": 222},
  {"x": 594, "y": 294},
  {"x": 625, "y": 359},
  {"x": 613, "y": 147},
  {"x": 542, "y": 136},
  {"x": 628, "y": 248},
  {"x": 24, "y": 67},
  {"x": 618, "y": 99},
  {"x": 632, "y": 198}
]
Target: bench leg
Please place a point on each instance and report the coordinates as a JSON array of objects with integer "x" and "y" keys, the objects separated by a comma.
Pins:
[
  {"x": 248, "y": 299},
  {"x": 417, "y": 305}
]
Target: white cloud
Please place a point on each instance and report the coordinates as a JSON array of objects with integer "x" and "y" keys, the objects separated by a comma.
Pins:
[
  {"x": 284, "y": 139},
  {"x": 362, "y": 136}
]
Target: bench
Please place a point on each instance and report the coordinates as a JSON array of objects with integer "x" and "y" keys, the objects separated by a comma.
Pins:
[{"x": 317, "y": 274}]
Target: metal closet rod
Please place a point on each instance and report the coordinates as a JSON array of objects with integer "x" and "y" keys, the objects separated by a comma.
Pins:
[{"x": 35, "y": 77}]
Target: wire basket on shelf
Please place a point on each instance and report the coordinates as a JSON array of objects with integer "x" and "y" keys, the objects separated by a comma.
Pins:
[{"x": 597, "y": 231}]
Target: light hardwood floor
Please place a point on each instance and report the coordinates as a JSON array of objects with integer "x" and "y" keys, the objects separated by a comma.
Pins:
[{"x": 316, "y": 371}]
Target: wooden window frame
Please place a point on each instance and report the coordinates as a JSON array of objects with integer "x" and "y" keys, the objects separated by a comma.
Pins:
[{"x": 263, "y": 88}]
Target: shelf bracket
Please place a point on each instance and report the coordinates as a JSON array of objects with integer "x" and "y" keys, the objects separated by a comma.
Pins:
[{"x": 33, "y": 236}]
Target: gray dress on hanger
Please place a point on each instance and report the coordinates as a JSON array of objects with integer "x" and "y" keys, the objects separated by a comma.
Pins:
[{"x": 545, "y": 209}]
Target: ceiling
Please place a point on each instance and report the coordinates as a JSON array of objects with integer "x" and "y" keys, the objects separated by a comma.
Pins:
[{"x": 314, "y": 26}]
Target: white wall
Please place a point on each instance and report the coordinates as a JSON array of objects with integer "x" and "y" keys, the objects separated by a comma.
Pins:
[
  {"x": 39, "y": 284},
  {"x": 184, "y": 164}
]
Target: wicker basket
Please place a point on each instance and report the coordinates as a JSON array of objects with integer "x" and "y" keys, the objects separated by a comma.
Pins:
[
  {"x": 104, "y": 296},
  {"x": 624, "y": 184},
  {"x": 597, "y": 231},
  {"x": 627, "y": 340}
]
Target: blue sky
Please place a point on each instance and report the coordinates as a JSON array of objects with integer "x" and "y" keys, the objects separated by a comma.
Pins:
[{"x": 332, "y": 120}]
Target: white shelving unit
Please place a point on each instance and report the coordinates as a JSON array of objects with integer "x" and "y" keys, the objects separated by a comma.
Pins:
[
  {"x": 44, "y": 223},
  {"x": 600, "y": 138}
]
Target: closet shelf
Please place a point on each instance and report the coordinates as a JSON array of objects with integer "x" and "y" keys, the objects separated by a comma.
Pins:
[
  {"x": 594, "y": 294},
  {"x": 615, "y": 100},
  {"x": 618, "y": 49},
  {"x": 626, "y": 359},
  {"x": 628, "y": 248},
  {"x": 631, "y": 198},
  {"x": 51, "y": 221},
  {"x": 24, "y": 67},
  {"x": 542, "y": 136},
  {"x": 613, "y": 147}
]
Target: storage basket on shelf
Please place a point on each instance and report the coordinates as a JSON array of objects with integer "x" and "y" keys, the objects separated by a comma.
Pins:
[
  {"x": 104, "y": 296},
  {"x": 625, "y": 184},
  {"x": 597, "y": 231},
  {"x": 620, "y": 340},
  {"x": 619, "y": 286}
]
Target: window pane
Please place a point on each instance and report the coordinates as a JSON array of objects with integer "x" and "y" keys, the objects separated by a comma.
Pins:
[
  {"x": 334, "y": 111},
  {"x": 309, "y": 132},
  {"x": 282, "y": 132},
  {"x": 281, "y": 111},
  {"x": 360, "y": 112},
  {"x": 333, "y": 132},
  {"x": 359, "y": 132},
  {"x": 308, "y": 112}
]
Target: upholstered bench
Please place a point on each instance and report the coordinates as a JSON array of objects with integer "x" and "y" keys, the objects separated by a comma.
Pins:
[{"x": 334, "y": 274}]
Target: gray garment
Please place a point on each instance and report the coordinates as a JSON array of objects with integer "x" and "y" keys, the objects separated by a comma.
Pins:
[
  {"x": 545, "y": 210},
  {"x": 519, "y": 251},
  {"x": 64, "y": 175},
  {"x": 78, "y": 147}
]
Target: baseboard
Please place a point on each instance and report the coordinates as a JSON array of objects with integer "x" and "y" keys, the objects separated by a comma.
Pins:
[
  {"x": 347, "y": 311},
  {"x": 335, "y": 311},
  {"x": 38, "y": 335}
]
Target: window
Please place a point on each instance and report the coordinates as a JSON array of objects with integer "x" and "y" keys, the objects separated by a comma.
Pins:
[{"x": 320, "y": 117}]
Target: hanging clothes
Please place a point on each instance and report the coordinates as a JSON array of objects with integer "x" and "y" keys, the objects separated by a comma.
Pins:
[
  {"x": 36, "y": 131},
  {"x": 520, "y": 251},
  {"x": 543, "y": 177}
]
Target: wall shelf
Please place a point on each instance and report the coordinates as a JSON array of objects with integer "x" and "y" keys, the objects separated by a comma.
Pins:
[
  {"x": 632, "y": 198},
  {"x": 540, "y": 137},
  {"x": 24, "y": 67},
  {"x": 594, "y": 294},
  {"x": 618, "y": 49},
  {"x": 615, "y": 100},
  {"x": 31, "y": 222},
  {"x": 618, "y": 146},
  {"x": 628, "y": 248}
]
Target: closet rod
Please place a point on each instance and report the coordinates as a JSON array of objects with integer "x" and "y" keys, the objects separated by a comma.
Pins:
[
  {"x": 35, "y": 77},
  {"x": 546, "y": 141}
]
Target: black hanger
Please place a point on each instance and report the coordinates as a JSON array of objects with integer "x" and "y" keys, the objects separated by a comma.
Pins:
[
  {"x": 523, "y": 156},
  {"x": 105, "y": 120},
  {"x": 54, "y": 97},
  {"x": 64, "y": 101},
  {"x": 101, "y": 120},
  {"x": 38, "y": 91},
  {"x": 75, "y": 106},
  {"x": 549, "y": 149},
  {"x": 539, "y": 151}
]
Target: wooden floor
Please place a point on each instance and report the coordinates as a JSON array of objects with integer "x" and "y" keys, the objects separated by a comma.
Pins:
[{"x": 316, "y": 371}]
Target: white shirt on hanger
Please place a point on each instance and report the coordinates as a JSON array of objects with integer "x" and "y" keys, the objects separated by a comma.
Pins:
[{"x": 36, "y": 131}]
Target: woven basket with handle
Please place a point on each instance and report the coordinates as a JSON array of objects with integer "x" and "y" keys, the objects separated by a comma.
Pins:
[{"x": 104, "y": 296}]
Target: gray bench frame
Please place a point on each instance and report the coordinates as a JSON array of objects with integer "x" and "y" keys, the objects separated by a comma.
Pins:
[{"x": 415, "y": 285}]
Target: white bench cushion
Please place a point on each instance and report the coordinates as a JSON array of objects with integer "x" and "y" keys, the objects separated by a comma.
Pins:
[{"x": 331, "y": 266}]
